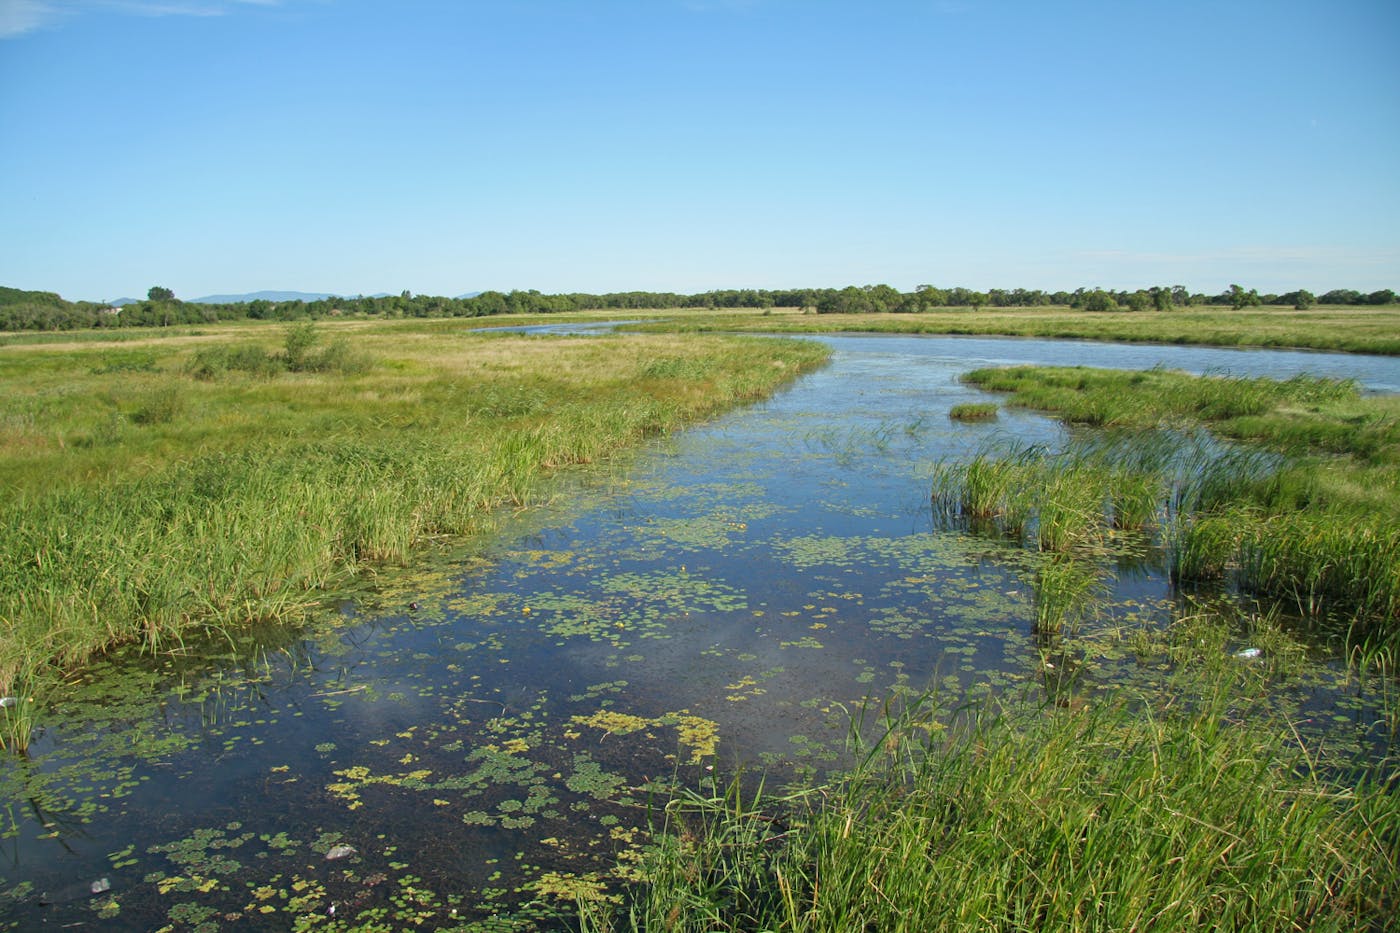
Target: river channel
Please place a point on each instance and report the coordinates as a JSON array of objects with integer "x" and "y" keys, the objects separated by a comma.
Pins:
[{"x": 481, "y": 738}]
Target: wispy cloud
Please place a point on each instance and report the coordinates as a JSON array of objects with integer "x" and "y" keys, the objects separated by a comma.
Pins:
[{"x": 20, "y": 17}]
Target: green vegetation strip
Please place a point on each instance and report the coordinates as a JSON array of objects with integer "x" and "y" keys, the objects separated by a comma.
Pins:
[
  {"x": 206, "y": 482},
  {"x": 1347, "y": 329}
]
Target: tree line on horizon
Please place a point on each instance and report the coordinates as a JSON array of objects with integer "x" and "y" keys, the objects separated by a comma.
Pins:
[{"x": 39, "y": 310}]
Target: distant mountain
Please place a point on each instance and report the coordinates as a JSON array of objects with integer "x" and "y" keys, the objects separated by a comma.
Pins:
[
  {"x": 263, "y": 296},
  {"x": 268, "y": 296}
]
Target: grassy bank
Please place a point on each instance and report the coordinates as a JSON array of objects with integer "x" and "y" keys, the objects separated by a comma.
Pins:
[
  {"x": 232, "y": 475},
  {"x": 1131, "y": 815},
  {"x": 1304, "y": 513},
  {"x": 1347, "y": 329}
]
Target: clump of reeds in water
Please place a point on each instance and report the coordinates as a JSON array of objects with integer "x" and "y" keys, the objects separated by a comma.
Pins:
[
  {"x": 1225, "y": 515},
  {"x": 17, "y": 715},
  {"x": 974, "y": 411},
  {"x": 1066, "y": 499},
  {"x": 1064, "y": 588}
]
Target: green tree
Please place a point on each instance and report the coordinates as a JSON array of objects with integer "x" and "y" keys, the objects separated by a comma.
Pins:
[
  {"x": 1099, "y": 300},
  {"x": 1342, "y": 296},
  {"x": 1304, "y": 299},
  {"x": 1241, "y": 299},
  {"x": 157, "y": 293},
  {"x": 929, "y": 296}
]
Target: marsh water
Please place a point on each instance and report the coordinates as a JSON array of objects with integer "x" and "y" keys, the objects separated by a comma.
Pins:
[{"x": 482, "y": 738}]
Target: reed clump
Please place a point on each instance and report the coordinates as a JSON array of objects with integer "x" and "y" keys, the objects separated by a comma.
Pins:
[
  {"x": 1076, "y": 498},
  {"x": 974, "y": 411}
]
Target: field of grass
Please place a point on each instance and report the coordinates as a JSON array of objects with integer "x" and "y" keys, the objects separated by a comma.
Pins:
[
  {"x": 1341, "y": 328},
  {"x": 204, "y": 481},
  {"x": 1348, "y": 329}
]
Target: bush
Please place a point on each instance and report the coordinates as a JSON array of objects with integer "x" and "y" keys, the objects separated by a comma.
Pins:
[
  {"x": 299, "y": 341},
  {"x": 337, "y": 357},
  {"x": 212, "y": 362},
  {"x": 160, "y": 406}
]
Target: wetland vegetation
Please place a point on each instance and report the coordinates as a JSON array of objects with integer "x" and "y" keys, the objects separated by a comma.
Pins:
[
  {"x": 1195, "y": 804},
  {"x": 758, "y": 680},
  {"x": 213, "y": 481},
  {"x": 1311, "y": 521}
]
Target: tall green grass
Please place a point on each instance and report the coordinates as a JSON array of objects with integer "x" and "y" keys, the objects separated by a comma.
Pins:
[
  {"x": 1063, "y": 500},
  {"x": 1293, "y": 506},
  {"x": 1131, "y": 815},
  {"x": 264, "y": 491}
]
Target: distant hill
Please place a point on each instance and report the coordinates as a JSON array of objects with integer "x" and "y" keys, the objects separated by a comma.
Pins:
[{"x": 263, "y": 296}]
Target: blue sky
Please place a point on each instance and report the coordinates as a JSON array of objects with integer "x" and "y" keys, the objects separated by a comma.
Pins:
[{"x": 216, "y": 146}]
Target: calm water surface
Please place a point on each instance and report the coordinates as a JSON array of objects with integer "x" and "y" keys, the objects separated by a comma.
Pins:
[{"x": 479, "y": 737}]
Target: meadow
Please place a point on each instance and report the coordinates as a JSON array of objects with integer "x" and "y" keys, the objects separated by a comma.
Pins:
[{"x": 199, "y": 482}]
